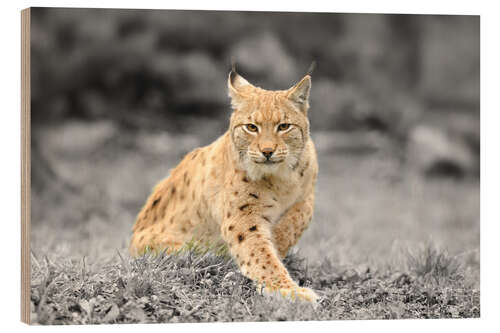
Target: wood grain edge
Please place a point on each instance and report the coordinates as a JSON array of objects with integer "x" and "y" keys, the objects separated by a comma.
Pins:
[{"x": 25, "y": 166}]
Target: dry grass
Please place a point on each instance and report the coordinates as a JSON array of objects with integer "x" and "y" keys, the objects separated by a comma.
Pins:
[
  {"x": 193, "y": 286},
  {"x": 384, "y": 243}
]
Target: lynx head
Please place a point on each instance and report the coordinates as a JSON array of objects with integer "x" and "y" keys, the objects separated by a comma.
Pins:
[{"x": 269, "y": 129}]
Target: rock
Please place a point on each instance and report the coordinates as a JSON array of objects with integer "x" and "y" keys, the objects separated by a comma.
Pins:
[
  {"x": 78, "y": 138},
  {"x": 344, "y": 107},
  {"x": 349, "y": 142},
  {"x": 335, "y": 106},
  {"x": 436, "y": 153}
]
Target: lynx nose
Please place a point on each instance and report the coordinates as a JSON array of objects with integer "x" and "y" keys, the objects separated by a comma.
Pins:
[{"x": 267, "y": 152}]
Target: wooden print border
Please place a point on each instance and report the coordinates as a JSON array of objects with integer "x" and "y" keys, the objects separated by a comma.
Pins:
[{"x": 25, "y": 165}]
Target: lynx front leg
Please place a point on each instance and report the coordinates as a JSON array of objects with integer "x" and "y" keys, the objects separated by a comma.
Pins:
[
  {"x": 249, "y": 240},
  {"x": 291, "y": 226}
]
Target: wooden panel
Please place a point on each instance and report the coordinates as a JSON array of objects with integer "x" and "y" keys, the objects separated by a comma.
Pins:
[{"x": 25, "y": 166}]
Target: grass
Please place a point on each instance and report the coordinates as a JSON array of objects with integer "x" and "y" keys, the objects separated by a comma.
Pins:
[
  {"x": 202, "y": 287},
  {"x": 384, "y": 242}
]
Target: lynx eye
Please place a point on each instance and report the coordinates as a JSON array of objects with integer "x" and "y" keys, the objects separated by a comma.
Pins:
[
  {"x": 251, "y": 128},
  {"x": 283, "y": 127}
]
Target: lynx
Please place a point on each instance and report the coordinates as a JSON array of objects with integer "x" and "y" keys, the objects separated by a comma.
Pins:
[{"x": 252, "y": 189}]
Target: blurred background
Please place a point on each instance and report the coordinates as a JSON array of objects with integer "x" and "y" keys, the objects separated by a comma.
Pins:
[{"x": 119, "y": 96}]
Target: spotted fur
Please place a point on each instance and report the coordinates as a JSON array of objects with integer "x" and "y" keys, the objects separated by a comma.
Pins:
[{"x": 230, "y": 192}]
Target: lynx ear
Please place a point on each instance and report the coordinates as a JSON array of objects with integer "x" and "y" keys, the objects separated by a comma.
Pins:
[
  {"x": 299, "y": 93},
  {"x": 235, "y": 83}
]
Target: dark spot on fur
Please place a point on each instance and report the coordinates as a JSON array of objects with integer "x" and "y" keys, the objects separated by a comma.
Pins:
[
  {"x": 230, "y": 228},
  {"x": 245, "y": 179},
  {"x": 254, "y": 195},
  {"x": 156, "y": 202},
  {"x": 275, "y": 199},
  {"x": 172, "y": 191},
  {"x": 254, "y": 228},
  {"x": 235, "y": 192},
  {"x": 268, "y": 181},
  {"x": 241, "y": 238},
  {"x": 263, "y": 267},
  {"x": 140, "y": 239},
  {"x": 228, "y": 214},
  {"x": 266, "y": 218},
  {"x": 244, "y": 206},
  {"x": 268, "y": 206},
  {"x": 163, "y": 228},
  {"x": 304, "y": 169},
  {"x": 252, "y": 254},
  {"x": 183, "y": 230}
]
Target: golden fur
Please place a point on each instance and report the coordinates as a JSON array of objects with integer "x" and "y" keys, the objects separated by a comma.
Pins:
[{"x": 230, "y": 192}]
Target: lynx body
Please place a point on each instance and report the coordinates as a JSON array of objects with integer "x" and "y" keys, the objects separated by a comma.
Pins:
[{"x": 252, "y": 189}]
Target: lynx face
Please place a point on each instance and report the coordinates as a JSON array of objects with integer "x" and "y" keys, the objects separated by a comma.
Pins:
[{"x": 269, "y": 129}]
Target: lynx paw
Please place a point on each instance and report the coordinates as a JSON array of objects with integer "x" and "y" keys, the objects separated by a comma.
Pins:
[{"x": 294, "y": 293}]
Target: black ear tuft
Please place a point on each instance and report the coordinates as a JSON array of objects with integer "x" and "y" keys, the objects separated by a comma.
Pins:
[
  {"x": 233, "y": 64},
  {"x": 233, "y": 74},
  {"x": 235, "y": 82},
  {"x": 311, "y": 68}
]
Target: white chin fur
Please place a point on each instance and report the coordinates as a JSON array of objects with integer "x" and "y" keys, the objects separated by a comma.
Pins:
[{"x": 257, "y": 171}]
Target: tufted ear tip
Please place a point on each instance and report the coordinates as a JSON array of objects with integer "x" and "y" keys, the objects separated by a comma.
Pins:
[
  {"x": 233, "y": 64},
  {"x": 235, "y": 82},
  {"x": 299, "y": 93},
  {"x": 232, "y": 73},
  {"x": 312, "y": 67}
]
